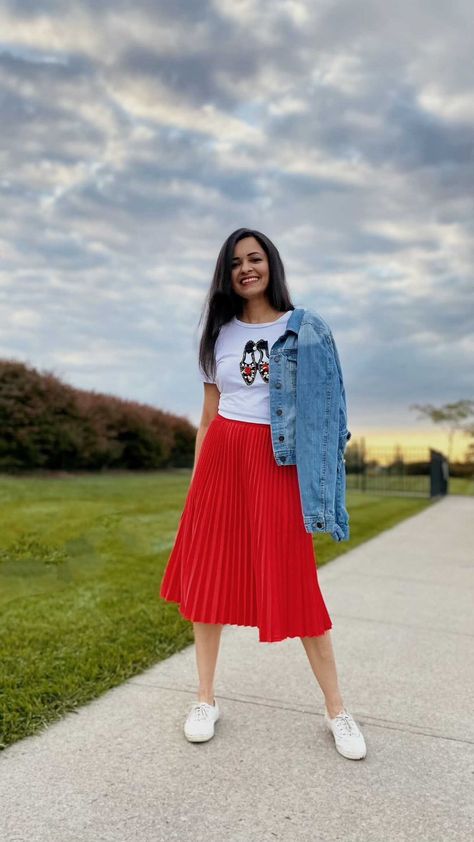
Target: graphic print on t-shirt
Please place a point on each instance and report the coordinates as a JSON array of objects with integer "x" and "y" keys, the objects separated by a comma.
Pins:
[{"x": 249, "y": 368}]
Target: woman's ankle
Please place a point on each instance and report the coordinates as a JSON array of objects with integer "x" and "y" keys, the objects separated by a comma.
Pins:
[
  {"x": 205, "y": 696},
  {"x": 334, "y": 709}
]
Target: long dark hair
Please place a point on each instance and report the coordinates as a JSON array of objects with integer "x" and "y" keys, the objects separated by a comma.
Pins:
[{"x": 222, "y": 303}]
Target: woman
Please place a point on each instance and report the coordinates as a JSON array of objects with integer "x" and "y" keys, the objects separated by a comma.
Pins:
[{"x": 243, "y": 553}]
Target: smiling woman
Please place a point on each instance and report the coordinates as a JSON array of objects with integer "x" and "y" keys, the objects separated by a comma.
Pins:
[{"x": 243, "y": 553}]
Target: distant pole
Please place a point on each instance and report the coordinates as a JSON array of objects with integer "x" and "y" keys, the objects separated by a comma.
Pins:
[{"x": 439, "y": 473}]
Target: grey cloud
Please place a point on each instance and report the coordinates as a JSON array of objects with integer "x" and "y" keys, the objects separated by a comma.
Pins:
[{"x": 191, "y": 76}]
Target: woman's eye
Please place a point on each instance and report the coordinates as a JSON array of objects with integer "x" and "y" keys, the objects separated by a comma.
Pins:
[{"x": 254, "y": 260}]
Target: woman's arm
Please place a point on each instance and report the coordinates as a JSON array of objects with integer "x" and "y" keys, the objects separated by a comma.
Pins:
[{"x": 209, "y": 412}]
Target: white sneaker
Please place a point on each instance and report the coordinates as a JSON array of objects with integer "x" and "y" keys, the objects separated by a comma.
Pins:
[
  {"x": 199, "y": 725},
  {"x": 347, "y": 735}
]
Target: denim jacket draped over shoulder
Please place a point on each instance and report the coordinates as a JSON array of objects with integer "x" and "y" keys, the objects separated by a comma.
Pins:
[{"x": 308, "y": 417}]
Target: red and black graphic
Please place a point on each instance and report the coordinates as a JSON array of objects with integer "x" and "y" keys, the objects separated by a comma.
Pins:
[
  {"x": 249, "y": 368},
  {"x": 263, "y": 364}
]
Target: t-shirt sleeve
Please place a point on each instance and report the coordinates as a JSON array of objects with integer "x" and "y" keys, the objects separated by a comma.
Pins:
[{"x": 203, "y": 377}]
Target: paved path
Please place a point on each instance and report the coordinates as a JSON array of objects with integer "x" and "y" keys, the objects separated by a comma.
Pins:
[{"x": 121, "y": 770}]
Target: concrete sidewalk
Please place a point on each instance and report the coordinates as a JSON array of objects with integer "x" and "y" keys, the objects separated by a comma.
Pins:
[{"x": 120, "y": 768}]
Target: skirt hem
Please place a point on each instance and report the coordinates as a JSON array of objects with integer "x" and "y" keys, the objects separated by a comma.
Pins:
[{"x": 262, "y": 639}]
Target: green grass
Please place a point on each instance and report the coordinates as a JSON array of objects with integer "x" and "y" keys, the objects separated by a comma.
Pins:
[
  {"x": 81, "y": 561},
  {"x": 459, "y": 485}
]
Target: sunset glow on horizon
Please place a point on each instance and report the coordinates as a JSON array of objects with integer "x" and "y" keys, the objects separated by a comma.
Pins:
[{"x": 414, "y": 445}]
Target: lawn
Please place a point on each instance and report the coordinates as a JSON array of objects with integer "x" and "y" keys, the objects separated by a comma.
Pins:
[{"x": 81, "y": 561}]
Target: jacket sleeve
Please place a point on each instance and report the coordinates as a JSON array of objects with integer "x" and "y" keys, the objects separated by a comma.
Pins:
[
  {"x": 341, "y": 513},
  {"x": 318, "y": 403}
]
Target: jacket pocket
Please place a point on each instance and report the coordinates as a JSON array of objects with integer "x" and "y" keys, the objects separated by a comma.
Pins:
[{"x": 291, "y": 360}]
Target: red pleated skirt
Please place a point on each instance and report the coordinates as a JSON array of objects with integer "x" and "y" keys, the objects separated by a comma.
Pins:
[{"x": 241, "y": 554}]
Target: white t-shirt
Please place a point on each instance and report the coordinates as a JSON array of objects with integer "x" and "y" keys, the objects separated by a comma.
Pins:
[{"x": 242, "y": 354}]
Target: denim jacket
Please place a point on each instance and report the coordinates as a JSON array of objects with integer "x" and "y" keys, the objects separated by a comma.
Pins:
[{"x": 308, "y": 418}]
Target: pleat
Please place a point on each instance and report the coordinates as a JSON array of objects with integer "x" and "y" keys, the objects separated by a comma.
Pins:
[{"x": 241, "y": 554}]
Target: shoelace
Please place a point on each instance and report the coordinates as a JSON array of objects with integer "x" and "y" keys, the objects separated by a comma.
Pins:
[
  {"x": 345, "y": 724},
  {"x": 200, "y": 710}
]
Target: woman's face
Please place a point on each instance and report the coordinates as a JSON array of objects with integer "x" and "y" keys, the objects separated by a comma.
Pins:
[{"x": 250, "y": 270}]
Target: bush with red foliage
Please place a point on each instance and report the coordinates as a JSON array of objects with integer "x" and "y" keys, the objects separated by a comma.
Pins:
[{"x": 47, "y": 424}]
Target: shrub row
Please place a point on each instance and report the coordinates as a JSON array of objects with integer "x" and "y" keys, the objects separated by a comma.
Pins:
[{"x": 47, "y": 424}]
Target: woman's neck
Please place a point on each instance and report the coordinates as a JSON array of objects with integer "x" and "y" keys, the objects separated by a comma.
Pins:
[{"x": 259, "y": 311}]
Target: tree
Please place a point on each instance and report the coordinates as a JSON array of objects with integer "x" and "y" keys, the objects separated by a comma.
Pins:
[{"x": 452, "y": 414}]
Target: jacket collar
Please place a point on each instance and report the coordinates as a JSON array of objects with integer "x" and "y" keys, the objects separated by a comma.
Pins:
[{"x": 294, "y": 322}]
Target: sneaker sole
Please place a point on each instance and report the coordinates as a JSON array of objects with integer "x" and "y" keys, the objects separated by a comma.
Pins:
[
  {"x": 198, "y": 738},
  {"x": 351, "y": 756}
]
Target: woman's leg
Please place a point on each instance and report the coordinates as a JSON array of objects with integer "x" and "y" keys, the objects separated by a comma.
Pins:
[
  {"x": 321, "y": 657},
  {"x": 207, "y": 638}
]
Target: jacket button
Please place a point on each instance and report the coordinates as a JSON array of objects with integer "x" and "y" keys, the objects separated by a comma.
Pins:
[
  {"x": 319, "y": 524},
  {"x": 278, "y": 385},
  {"x": 279, "y": 412},
  {"x": 277, "y": 358},
  {"x": 281, "y": 438},
  {"x": 283, "y": 458}
]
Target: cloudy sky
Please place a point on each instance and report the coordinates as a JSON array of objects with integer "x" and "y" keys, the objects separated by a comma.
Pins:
[{"x": 136, "y": 137}]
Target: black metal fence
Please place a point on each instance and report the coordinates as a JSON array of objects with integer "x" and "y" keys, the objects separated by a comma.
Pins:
[{"x": 412, "y": 471}]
